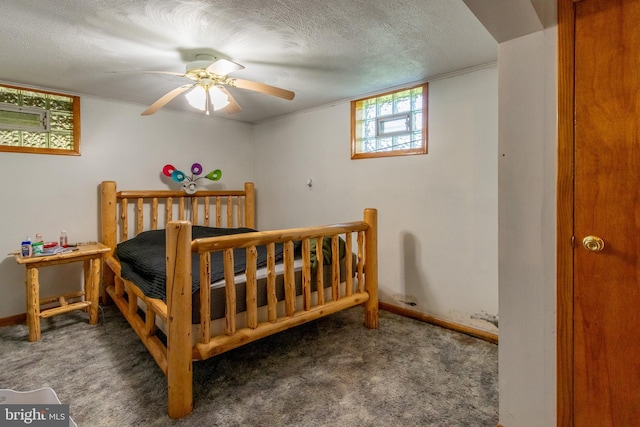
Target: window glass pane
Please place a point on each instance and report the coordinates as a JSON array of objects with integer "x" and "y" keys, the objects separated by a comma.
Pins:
[
  {"x": 394, "y": 125},
  {"x": 63, "y": 103},
  {"x": 62, "y": 141},
  {"x": 33, "y": 99},
  {"x": 370, "y": 129},
  {"x": 19, "y": 119},
  {"x": 403, "y": 102},
  {"x": 416, "y": 140},
  {"x": 385, "y": 144},
  {"x": 369, "y": 145},
  {"x": 9, "y": 96},
  {"x": 402, "y": 142},
  {"x": 417, "y": 100},
  {"x": 9, "y": 137},
  {"x": 61, "y": 121},
  {"x": 385, "y": 105},
  {"x": 417, "y": 120},
  {"x": 370, "y": 110},
  {"x": 34, "y": 139}
]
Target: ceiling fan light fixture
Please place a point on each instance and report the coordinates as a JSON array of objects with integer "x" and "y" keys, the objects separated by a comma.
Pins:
[
  {"x": 219, "y": 99},
  {"x": 197, "y": 98}
]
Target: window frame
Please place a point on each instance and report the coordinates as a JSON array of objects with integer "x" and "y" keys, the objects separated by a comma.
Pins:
[
  {"x": 392, "y": 153},
  {"x": 75, "y": 111}
]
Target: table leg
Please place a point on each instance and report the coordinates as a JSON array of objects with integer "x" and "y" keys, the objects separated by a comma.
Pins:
[
  {"x": 92, "y": 290},
  {"x": 86, "y": 269},
  {"x": 33, "y": 304}
]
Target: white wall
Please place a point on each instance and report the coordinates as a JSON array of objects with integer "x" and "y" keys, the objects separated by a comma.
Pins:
[
  {"x": 437, "y": 213},
  {"x": 527, "y": 212},
  {"x": 47, "y": 193}
]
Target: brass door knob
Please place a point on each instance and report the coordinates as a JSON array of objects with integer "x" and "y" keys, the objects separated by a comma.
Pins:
[{"x": 593, "y": 243}]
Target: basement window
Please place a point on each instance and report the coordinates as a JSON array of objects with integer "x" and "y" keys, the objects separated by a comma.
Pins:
[
  {"x": 391, "y": 124},
  {"x": 39, "y": 122}
]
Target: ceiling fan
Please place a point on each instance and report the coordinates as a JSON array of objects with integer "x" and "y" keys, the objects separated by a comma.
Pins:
[{"x": 207, "y": 89}]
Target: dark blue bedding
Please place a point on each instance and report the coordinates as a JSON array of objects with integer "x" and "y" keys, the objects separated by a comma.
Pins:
[{"x": 143, "y": 259}]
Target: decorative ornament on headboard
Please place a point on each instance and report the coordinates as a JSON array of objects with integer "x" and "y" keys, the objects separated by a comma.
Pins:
[{"x": 189, "y": 183}]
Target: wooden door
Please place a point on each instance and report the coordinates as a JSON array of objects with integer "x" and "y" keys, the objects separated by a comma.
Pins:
[{"x": 606, "y": 288}]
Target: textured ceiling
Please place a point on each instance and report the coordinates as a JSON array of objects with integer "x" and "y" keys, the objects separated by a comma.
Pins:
[{"x": 324, "y": 51}]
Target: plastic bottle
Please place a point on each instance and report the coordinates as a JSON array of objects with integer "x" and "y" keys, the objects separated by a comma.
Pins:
[
  {"x": 63, "y": 239},
  {"x": 37, "y": 248},
  {"x": 26, "y": 247}
]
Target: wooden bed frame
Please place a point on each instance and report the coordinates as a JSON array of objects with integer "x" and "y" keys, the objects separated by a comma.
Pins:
[{"x": 156, "y": 209}]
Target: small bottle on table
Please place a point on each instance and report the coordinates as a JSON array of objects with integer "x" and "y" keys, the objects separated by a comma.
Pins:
[{"x": 26, "y": 247}]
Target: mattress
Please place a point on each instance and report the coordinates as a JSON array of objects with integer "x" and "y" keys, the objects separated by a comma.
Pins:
[{"x": 143, "y": 259}]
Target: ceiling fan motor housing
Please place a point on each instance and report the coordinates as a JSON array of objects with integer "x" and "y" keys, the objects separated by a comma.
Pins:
[{"x": 201, "y": 63}]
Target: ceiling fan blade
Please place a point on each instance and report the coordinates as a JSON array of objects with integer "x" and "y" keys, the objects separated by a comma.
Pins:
[
  {"x": 233, "y": 106},
  {"x": 166, "y": 98},
  {"x": 263, "y": 88},
  {"x": 163, "y": 72},
  {"x": 222, "y": 67},
  {"x": 170, "y": 73}
]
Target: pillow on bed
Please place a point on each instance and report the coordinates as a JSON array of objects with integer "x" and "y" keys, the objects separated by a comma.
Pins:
[{"x": 326, "y": 251}]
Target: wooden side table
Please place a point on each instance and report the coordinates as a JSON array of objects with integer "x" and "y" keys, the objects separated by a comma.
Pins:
[{"x": 91, "y": 256}]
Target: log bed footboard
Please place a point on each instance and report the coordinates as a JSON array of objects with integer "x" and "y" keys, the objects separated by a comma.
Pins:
[{"x": 176, "y": 357}]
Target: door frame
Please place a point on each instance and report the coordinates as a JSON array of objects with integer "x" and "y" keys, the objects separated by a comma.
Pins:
[{"x": 564, "y": 214}]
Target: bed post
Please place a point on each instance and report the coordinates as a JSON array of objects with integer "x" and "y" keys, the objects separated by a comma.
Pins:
[
  {"x": 108, "y": 226},
  {"x": 371, "y": 268},
  {"x": 249, "y": 206},
  {"x": 179, "y": 360}
]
